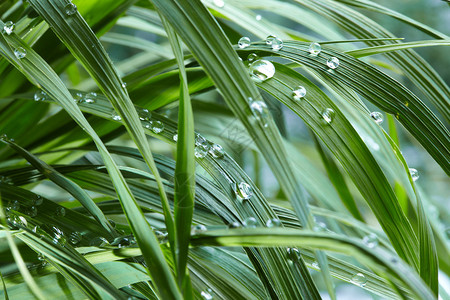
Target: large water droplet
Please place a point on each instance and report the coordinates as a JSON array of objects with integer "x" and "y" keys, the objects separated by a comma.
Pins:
[
  {"x": 58, "y": 236},
  {"x": 219, "y": 3},
  {"x": 370, "y": 240},
  {"x": 299, "y": 93},
  {"x": 60, "y": 211},
  {"x": 20, "y": 52},
  {"x": 244, "y": 191},
  {"x": 261, "y": 70},
  {"x": 359, "y": 279},
  {"x": 70, "y": 9},
  {"x": 328, "y": 115},
  {"x": 260, "y": 111},
  {"x": 377, "y": 116},
  {"x": 314, "y": 48},
  {"x": 8, "y": 28},
  {"x": 274, "y": 42},
  {"x": 273, "y": 223},
  {"x": 156, "y": 126},
  {"x": 198, "y": 229},
  {"x": 116, "y": 117},
  {"x": 89, "y": 98},
  {"x": 250, "y": 222},
  {"x": 75, "y": 238},
  {"x": 252, "y": 57},
  {"x": 414, "y": 174},
  {"x": 333, "y": 62},
  {"x": 244, "y": 42},
  {"x": 201, "y": 142},
  {"x": 217, "y": 151},
  {"x": 293, "y": 254},
  {"x": 207, "y": 295}
]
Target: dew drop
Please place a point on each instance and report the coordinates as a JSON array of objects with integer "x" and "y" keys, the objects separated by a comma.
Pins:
[
  {"x": 175, "y": 137},
  {"x": 320, "y": 226},
  {"x": 58, "y": 236},
  {"x": 40, "y": 95},
  {"x": 20, "y": 52},
  {"x": 217, "y": 151},
  {"x": 252, "y": 57},
  {"x": 359, "y": 279},
  {"x": 40, "y": 257},
  {"x": 198, "y": 229},
  {"x": 32, "y": 211},
  {"x": 75, "y": 238},
  {"x": 219, "y": 3},
  {"x": 234, "y": 225},
  {"x": 261, "y": 70},
  {"x": 38, "y": 200},
  {"x": 377, "y": 116},
  {"x": 370, "y": 240},
  {"x": 16, "y": 221},
  {"x": 333, "y": 62},
  {"x": 314, "y": 48},
  {"x": 124, "y": 85},
  {"x": 207, "y": 295},
  {"x": 116, "y": 117},
  {"x": 89, "y": 98},
  {"x": 299, "y": 93},
  {"x": 260, "y": 111},
  {"x": 15, "y": 205},
  {"x": 244, "y": 191},
  {"x": 78, "y": 97},
  {"x": 273, "y": 223},
  {"x": 250, "y": 222},
  {"x": 201, "y": 142},
  {"x": 144, "y": 114},
  {"x": 315, "y": 265},
  {"x": 328, "y": 115},
  {"x": 157, "y": 126},
  {"x": 244, "y": 42},
  {"x": 293, "y": 254},
  {"x": 8, "y": 28},
  {"x": 200, "y": 152},
  {"x": 414, "y": 174},
  {"x": 70, "y": 9},
  {"x": 258, "y": 17},
  {"x": 60, "y": 211},
  {"x": 123, "y": 241},
  {"x": 274, "y": 42}
]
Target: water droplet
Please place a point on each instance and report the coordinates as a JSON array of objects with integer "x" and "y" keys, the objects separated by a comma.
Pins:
[
  {"x": 219, "y": 3},
  {"x": 252, "y": 57},
  {"x": 250, "y": 222},
  {"x": 244, "y": 42},
  {"x": 260, "y": 111},
  {"x": 370, "y": 240},
  {"x": 144, "y": 114},
  {"x": 244, "y": 191},
  {"x": 274, "y": 42},
  {"x": 315, "y": 265},
  {"x": 333, "y": 62},
  {"x": 414, "y": 174},
  {"x": 293, "y": 254},
  {"x": 89, "y": 98},
  {"x": 261, "y": 70},
  {"x": 157, "y": 126},
  {"x": 38, "y": 200},
  {"x": 75, "y": 237},
  {"x": 123, "y": 241},
  {"x": 70, "y": 9},
  {"x": 14, "y": 205},
  {"x": 175, "y": 137},
  {"x": 217, "y": 151},
  {"x": 234, "y": 225},
  {"x": 16, "y": 221},
  {"x": 124, "y": 85},
  {"x": 32, "y": 211},
  {"x": 377, "y": 116},
  {"x": 200, "y": 152},
  {"x": 299, "y": 93},
  {"x": 328, "y": 115},
  {"x": 320, "y": 226},
  {"x": 258, "y": 17},
  {"x": 273, "y": 223},
  {"x": 8, "y": 28},
  {"x": 99, "y": 241},
  {"x": 207, "y": 295},
  {"x": 58, "y": 236},
  {"x": 198, "y": 229},
  {"x": 359, "y": 279},
  {"x": 20, "y": 52},
  {"x": 40, "y": 257},
  {"x": 116, "y": 117},
  {"x": 201, "y": 142},
  {"x": 314, "y": 48},
  {"x": 60, "y": 211},
  {"x": 77, "y": 97}
]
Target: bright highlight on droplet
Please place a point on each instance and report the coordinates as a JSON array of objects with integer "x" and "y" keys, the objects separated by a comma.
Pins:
[
  {"x": 70, "y": 9},
  {"x": 273, "y": 223},
  {"x": 299, "y": 93},
  {"x": 414, "y": 174},
  {"x": 261, "y": 70},
  {"x": 244, "y": 42},
  {"x": 377, "y": 116},
  {"x": 260, "y": 111},
  {"x": 328, "y": 115},
  {"x": 359, "y": 279},
  {"x": 219, "y": 3},
  {"x": 370, "y": 240},
  {"x": 116, "y": 117},
  {"x": 333, "y": 62},
  {"x": 274, "y": 42},
  {"x": 244, "y": 191},
  {"x": 20, "y": 52},
  {"x": 40, "y": 95},
  {"x": 217, "y": 151},
  {"x": 8, "y": 28},
  {"x": 250, "y": 222},
  {"x": 314, "y": 48}
]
